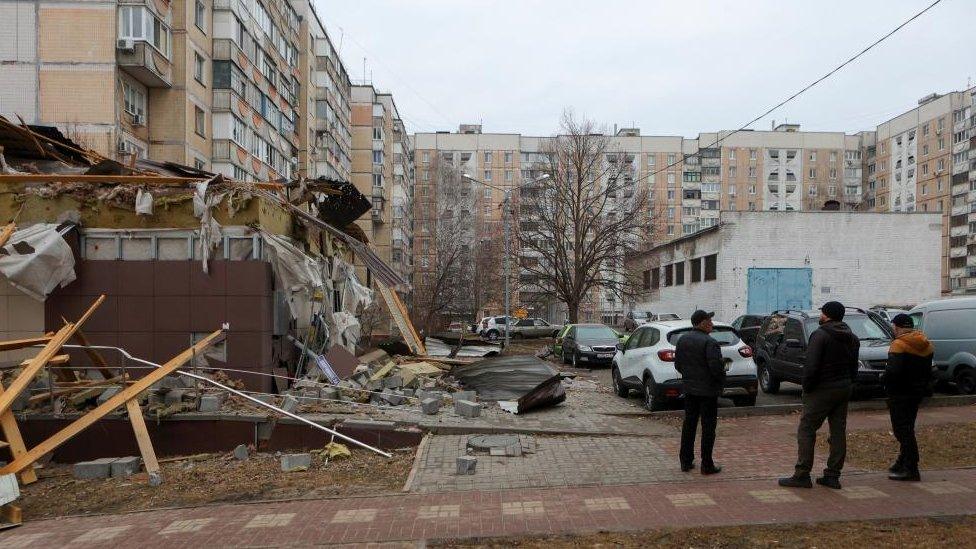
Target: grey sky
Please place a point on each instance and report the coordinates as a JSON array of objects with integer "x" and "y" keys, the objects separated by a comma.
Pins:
[{"x": 670, "y": 68}]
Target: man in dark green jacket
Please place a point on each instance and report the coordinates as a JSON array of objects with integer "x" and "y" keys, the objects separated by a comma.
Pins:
[{"x": 907, "y": 378}]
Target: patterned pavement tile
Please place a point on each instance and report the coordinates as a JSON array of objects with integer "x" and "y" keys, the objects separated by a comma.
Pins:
[
  {"x": 522, "y": 508},
  {"x": 942, "y": 487},
  {"x": 270, "y": 521},
  {"x": 184, "y": 526},
  {"x": 862, "y": 492},
  {"x": 439, "y": 511},
  {"x": 607, "y": 504},
  {"x": 23, "y": 540},
  {"x": 776, "y": 495},
  {"x": 100, "y": 534},
  {"x": 354, "y": 515},
  {"x": 692, "y": 499}
]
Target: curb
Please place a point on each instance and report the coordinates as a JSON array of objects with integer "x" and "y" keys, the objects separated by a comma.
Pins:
[{"x": 784, "y": 409}]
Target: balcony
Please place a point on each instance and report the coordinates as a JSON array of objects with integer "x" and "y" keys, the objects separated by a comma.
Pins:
[
  {"x": 144, "y": 63},
  {"x": 958, "y": 251},
  {"x": 971, "y": 261},
  {"x": 961, "y": 230},
  {"x": 960, "y": 188},
  {"x": 960, "y": 209}
]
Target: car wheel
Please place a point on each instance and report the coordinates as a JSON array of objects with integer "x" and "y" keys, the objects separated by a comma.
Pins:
[
  {"x": 618, "y": 384},
  {"x": 767, "y": 381},
  {"x": 492, "y": 335},
  {"x": 652, "y": 401},
  {"x": 565, "y": 357},
  {"x": 966, "y": 381},
  {"x": 574, "y": 359},
  {"x": 744, "y": 401}
]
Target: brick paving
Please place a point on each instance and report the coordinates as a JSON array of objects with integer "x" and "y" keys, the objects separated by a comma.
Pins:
[{"x": 693, "y": 502}]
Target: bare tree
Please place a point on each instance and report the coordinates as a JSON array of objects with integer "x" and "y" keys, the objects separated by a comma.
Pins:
[
  {"x": 444, "y": 283},
  {"x": 579, "y": 216}
]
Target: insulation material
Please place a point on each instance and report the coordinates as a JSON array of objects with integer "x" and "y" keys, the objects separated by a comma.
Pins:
[
  {"x": 209, "y": 228},
  {"x": 144, "y": 203},
  {"x": 37, "y": 260},
  {"x": 355, "y": 295},
  {"x": 347, "y": 330},
  {"x": 296, "y": 273}
]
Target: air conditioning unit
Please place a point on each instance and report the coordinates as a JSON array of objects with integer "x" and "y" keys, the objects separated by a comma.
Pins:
[
  {"x": 138, "y": 120},
  {"x": 126, "y": 44}
]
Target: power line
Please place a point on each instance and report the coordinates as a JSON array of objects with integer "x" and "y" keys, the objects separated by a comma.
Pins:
[{"x": 797, "y": 94}]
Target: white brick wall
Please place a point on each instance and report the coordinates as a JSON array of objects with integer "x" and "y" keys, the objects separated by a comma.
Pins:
[
  {"x": 861, "y": 259},
  {"x": 18, "y": 91},
  {"x": 18, "y": 36}
]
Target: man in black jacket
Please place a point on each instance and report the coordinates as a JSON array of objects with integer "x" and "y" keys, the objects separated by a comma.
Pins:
[
  {"x": 828, "y": 379},
  {"x": 698, "y": 359},
  {"x": 907, "y": 377}
]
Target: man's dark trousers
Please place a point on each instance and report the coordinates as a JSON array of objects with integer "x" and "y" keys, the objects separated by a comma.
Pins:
[
  {"x": 705, "y": 408},
  {"x": 903, "y": 411},
  {"x": 823, "y": 403}
]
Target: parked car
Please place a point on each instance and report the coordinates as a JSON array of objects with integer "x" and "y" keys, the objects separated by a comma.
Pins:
[
  {"x": 557, "y": 345},
  {"x": 648, "y": 316},
  {"x": 534, "y": 327},
  {"x": 887, "y": 313},
  {"x": 781, "y": 346},
  {"x": 493, "y": 327},
  {"x": 748, "y": 326},
  {"x": 950, "y": 324},
  {"x": 589, "y": 344},
  {"x": 646, "y": 364}
]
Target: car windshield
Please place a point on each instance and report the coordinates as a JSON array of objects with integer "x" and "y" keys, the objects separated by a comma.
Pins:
[
  {"x": 725, "y": 335},
  {"x": 594, "y": 332},
  {"x": 668, "y": 316},
  {"x": 863, "y": 326}
]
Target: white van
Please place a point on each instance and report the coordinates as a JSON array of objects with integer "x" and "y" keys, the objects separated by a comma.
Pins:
[{"x": 951, "y": 326}]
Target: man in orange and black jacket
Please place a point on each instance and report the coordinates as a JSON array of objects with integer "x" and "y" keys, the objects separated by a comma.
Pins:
[{"x": 907, "y": 378}]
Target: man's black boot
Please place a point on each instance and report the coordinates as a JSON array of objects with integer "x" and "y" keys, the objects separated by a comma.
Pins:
[
  {"x": 829, "y": 482},
  {"x": 711, "y": 469},
  {"x": 906, "y": 475},
  {"x": 796, "y": 482},
  {"x": 685, "y": 467}
]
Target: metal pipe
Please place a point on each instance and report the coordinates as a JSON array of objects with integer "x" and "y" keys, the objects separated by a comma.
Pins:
[{"x": 246, "y": 396}]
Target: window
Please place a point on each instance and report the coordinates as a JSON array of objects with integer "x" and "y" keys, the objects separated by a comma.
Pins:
[
  {"x": 671, "y": 158},
  {"x": 508, "y": 157},
  {"x": 752, "y": 172},
  {"x": 200, "y": 15},
  {"x": 199, "y": 121},
  {"x": 377, "y": 157},
  {"x": 752, "y": 206},
  {"x": 671, "y": 213},
  {"x": 731, "y": 172},
  {"x": 711, "y": 266},
  {"x": 488, "y": 193},
  {"x": 646, "y": 275},
  {"x": 832, "y": 191},
  {"x": 670, "y": 230},
  {"x": 650, "y": 160},
  {"x": 488, "y": 158},
  {"x": 426, "y": 157},
  {"x": 655, "y": 278},
  {"x": 941, "y": 143},
  {"x": 833, "y": 156},
  {"x": 135, "y": 101},
  {"x": 488, "y": 175},
  {"x": 377, "y": 132},
  {"x": 752, "y": 189},
  {"x": 378, "y": 180},
  {"x": 668, "y": 275},
  {"x": 752, "y": 154},
  {"x": 138, "y": 23},
  {"x": 426, "y": 175},
  {"x": 239, "y": 132},
  {"x": 671, "y": 179},
  {"x": 731, "y": 190},
  {"x": 679, "y": 273},
  {"x": 833, "y": 173},
  {"x": 199, "y": 164},
  {"x": 813, "y": 156},
  {"x": 731, "y": 154},
  {"x": 813, "y": 190},
  {"x": 670, "y": 195},
  {"x": 198, "y": 67},
  {"x": 509, "y": 176}
]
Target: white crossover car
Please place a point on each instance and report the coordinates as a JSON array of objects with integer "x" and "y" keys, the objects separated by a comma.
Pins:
[{"x": 646, "y": 363}]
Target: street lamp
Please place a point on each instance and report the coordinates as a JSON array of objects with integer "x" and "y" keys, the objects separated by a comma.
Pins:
[{"x": 505, "y": 213}]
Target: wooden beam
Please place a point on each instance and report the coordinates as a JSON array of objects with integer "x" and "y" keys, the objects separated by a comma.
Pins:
[
  {"x": 142, "y": 439},
  {"x": 14, "y": 344},
  {"x": 11, "y": 433},
  {"x": 56, "y": 360},
  {"x": 53, "y": 346},
  {"x": 61, "y": 391},
  {"x": 7, "y": 232},
  {"x": 130, "y": 392}
]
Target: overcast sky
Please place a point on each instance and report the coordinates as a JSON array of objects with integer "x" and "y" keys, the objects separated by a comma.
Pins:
[{"x": 670, "y": 68}]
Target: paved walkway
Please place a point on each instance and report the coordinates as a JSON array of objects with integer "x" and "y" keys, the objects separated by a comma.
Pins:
[{"x": 696, "y": 502}]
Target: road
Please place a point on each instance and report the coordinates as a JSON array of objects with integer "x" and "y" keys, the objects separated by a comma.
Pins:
[{"x": 789, "y": 393}]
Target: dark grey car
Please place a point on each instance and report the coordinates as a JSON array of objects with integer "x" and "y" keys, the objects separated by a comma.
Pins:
[{"x": 589, "y": 344}]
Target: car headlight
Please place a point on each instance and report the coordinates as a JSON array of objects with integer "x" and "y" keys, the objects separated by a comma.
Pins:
[
  {"x": 861, "y": 365},
  {"x": 584, "y": 348}
]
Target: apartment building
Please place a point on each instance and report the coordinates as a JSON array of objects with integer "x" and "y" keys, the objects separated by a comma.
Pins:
[
  {"x": 382, "y": 169},
  {"x": 216, "y": 84},
  {"x": 921, "y": 162}
]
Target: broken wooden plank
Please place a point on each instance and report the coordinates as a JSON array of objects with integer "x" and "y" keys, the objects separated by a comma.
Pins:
[
  {"x": 11, "y": 434},
  {"x": 53, "y": 346},
  {"x": 7, "y": 232},
  {"x": 10, "y": 516},
  {"x": 142, "y": 439},
  {"x": 86, "y": 386},
  {"x": 56, "y": 360},
  {"x": 14, "y": 344},
  {"x": 130, "y": 392}
]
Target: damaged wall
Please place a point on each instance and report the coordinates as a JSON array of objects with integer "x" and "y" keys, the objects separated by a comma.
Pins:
[{"x": 21, "y": 317}]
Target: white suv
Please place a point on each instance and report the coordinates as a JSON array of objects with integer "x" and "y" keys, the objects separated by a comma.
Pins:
[
  {"x": 646, "y": 363},
  {"x": 493, "y": 327}
]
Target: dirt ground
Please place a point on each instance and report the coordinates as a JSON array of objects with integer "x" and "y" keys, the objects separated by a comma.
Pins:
[
  {"x": 214, "y": 478},
  {"x": 940, "y": 446},
  {"x": 917, "y": 533},
  {"x": 528, "y": 346}
]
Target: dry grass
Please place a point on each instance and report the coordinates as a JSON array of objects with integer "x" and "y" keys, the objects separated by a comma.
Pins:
[
  {"x": 214, "y": 479},
  {"x": 941, "y": 447},
  {"x": 935, "y": 533}
]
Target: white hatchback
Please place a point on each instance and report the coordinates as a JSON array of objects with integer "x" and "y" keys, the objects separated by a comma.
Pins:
[{"x": 646, "y": 364}]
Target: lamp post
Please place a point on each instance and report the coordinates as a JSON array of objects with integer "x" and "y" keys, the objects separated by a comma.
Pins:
[{"x": 506, "y": 205}]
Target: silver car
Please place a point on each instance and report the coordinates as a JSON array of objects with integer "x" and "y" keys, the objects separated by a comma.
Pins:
[
  {"x": 950, "y": 324},
  {"x": 534, "y": 327}
]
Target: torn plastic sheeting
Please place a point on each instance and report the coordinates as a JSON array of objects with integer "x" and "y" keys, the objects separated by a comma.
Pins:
[
  {"x": 296, "y": 272},
  {"x": 144, "y": 202},
  {"x": 36, "y": 260},
  {"x": 347, "y": 330},
  {"x": 355, "y": 295},
  {"x": 436, "y": 347},
  {"x": 209, "y": 227},
  {"x": 533, "y": 382}
]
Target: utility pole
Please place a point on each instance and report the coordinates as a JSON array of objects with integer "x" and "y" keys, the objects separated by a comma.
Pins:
[{"x": 505, "y": 215}]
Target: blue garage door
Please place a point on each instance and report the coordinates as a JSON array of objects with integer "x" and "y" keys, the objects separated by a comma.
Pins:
[{"x": 775, "y": 289}]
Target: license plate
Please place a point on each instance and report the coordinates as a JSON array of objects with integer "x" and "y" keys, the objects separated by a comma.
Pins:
[{"x": 605, "y": 355}]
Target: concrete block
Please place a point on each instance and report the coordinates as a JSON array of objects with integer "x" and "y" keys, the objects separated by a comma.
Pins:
[
  {"x": 422, "y": 394},
  {"x": 393, "y": 382},
  {"x": 329, "y": 393},
  {"x": 125, "y": 466},
  {"x": 99, "y": 468},
  {"x": 374, "y": 385},
  {"x": 466, "y": 408},
  {"x": 289, "y": 403},
  {"x": 407, "y": 392},
  {"x": 9, "y": 489},
  {"x": 240, "y": 452},
  {"x": 310, "y": 396},
  {"x": 470, "y": 396},
  {"x": 166, "y": 385},
  {"x": 108, "y": 393},
  {"x": 295, "y": 462},
  {"x": 466, "y": 465},
  {"x": 391, "y": 398},
  {"x": 174, "y": 396},
  {"x": 208, "y": 403},
  {"x": 430, "y": 406}
]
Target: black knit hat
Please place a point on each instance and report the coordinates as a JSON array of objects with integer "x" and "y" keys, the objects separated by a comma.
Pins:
[
  {"x": 834, "y": 310},
  {"x": 903, "y": 321}
]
